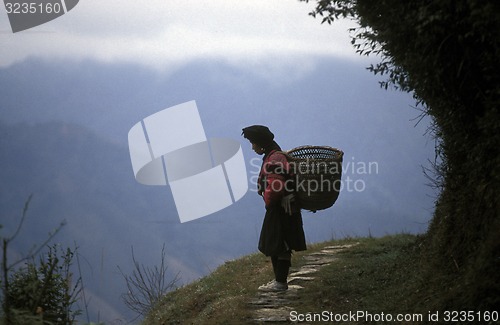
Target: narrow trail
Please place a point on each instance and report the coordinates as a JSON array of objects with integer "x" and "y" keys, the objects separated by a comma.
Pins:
[{"x": 275, "y": 307}]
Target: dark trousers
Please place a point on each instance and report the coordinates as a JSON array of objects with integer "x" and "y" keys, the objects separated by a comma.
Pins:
[{"x": 281, "y": 266}]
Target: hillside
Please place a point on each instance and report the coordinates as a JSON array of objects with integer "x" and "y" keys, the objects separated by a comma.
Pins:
[
  {"x": 379, "y": 277},
  {"x": 63, "y": 134}
]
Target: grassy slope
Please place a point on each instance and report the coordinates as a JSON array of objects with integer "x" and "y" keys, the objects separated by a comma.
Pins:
[{"x": 380, "y": 275}]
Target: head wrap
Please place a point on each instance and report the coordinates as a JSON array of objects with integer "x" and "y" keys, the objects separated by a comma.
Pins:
[{"x": 258, "y": 134}]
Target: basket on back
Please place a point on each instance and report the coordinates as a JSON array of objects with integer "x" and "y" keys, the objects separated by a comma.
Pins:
[{"x": 318, "y": 171}]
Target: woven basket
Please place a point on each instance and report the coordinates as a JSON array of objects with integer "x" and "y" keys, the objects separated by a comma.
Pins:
[{"x": 318, "y": 171}]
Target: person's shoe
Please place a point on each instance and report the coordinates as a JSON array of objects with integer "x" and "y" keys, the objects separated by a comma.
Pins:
[{"x": 274, "y": 286}]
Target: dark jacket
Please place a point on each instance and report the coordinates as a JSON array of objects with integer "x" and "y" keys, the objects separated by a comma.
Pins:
[{"x": 280, "y": 232}]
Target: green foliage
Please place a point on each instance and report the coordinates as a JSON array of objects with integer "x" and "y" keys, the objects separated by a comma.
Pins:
[
  {"x": 45, "y": 289},
  {"x": 446, "y": 53},
  {"x": 38, "y": 293}
]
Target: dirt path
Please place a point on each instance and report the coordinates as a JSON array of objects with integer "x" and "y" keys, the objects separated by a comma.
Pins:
[{"x": 272, "y": 307}]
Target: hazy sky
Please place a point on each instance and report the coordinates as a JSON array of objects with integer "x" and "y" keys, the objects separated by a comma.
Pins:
[{"x": 165, "y": 34}]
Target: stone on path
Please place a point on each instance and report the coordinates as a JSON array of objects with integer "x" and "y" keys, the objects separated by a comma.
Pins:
[{"x": 275, "y": 307}]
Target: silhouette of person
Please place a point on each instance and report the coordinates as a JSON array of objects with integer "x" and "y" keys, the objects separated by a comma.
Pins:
[{"x": 282, "y": 229}]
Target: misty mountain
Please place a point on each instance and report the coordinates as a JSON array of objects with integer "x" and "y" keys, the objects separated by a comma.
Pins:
[
  {"x": 77, "y": 177},
  {"x": 63, "y": 138}
]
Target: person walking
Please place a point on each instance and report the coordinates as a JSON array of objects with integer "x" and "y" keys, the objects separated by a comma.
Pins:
[{"x": 282, "y": 229}]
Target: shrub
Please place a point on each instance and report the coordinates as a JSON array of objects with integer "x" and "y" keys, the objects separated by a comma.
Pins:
[{"x": 44, "y": 290}]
